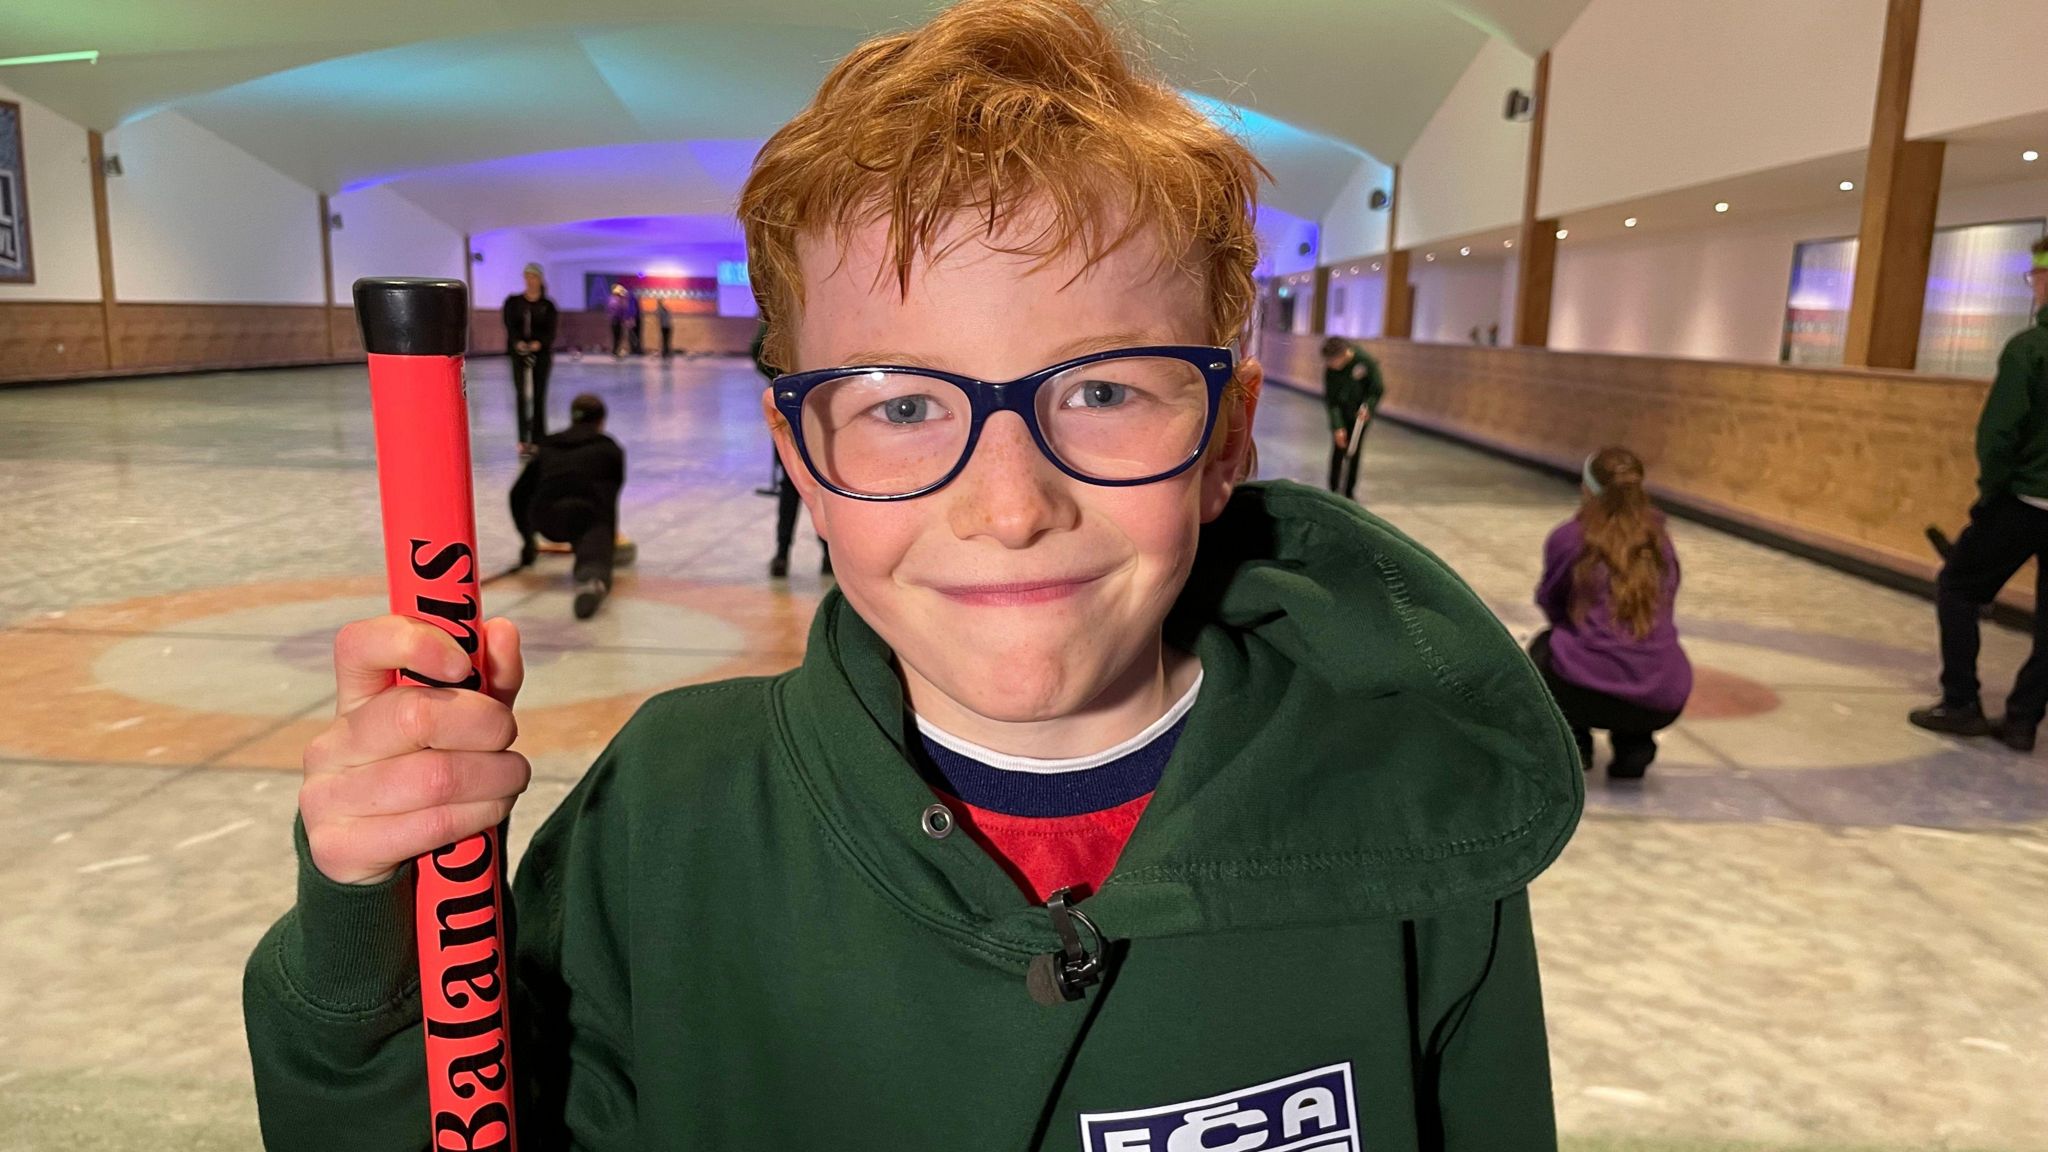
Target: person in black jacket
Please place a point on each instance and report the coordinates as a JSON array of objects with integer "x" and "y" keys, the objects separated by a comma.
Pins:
[
  {"x": 569, "y": 493},
  {"x": 785, "y": 492},
  {"x": 530, "y": 320}
]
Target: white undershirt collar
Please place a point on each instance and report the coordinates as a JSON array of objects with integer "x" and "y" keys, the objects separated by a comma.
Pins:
[{"x": 1008, "y": 763}]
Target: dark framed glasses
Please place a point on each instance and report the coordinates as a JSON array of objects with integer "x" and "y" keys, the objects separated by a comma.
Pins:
[{"x": 1120, "y": 418}]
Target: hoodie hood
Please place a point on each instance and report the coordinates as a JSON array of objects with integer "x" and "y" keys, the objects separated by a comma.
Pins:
[{"x": 1369, "y": 743}]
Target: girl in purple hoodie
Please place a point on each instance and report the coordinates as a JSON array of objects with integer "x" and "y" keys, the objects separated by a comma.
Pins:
[{"x": 1611, "y": 654}]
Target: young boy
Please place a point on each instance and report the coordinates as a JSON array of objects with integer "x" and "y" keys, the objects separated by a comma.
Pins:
[{"x": 1273, "y": 779}]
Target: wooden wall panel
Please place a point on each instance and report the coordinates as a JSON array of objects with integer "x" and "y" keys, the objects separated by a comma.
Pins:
[
  {"x": 51, "y": 340},
  {"x": 1854, "y": 462},
  {"x": 184, "y": 337}
]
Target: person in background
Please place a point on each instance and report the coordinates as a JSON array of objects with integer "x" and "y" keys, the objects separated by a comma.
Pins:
[
  {"x": 786, "y": 498},
  {"x": 617, "y": 309},
  {"x": 530, "y": 320},
  {"x": 634, "y": 318},
  {"x": 1610, "y": 582},
  {"x": 569, "y": 493},
  {"x": 2008, "y": 526},
  {"x": 1352, "y": 389},
  {"x": 668, "y": 326}
]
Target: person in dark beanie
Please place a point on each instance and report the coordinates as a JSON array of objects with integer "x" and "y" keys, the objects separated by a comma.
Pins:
[
  {"x": 1352, "y": 389},
  {"x": 569, "y": 493},
  {"x": 530, "y": 320},
  {"x": 2008, "y": 527}
]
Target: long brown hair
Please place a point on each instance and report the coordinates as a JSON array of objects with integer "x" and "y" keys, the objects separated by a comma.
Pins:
[{"x": 1624, "y": 537}]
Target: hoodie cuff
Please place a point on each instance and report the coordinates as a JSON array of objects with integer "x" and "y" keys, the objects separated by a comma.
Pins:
[{"x": 352, "y": 949}]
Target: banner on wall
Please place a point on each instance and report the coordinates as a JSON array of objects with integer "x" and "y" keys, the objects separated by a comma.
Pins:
[{"x": 17, "y": 262}]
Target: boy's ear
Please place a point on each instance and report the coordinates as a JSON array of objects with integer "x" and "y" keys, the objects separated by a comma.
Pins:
[
  {"x": 793, "y": 469},
  {"x": 1230, "y": 462}
]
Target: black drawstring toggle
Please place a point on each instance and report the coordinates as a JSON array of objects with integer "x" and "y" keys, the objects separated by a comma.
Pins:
[{"x": 1063, "y": 976}]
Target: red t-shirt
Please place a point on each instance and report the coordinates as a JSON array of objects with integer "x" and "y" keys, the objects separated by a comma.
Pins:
[
  {"x": 1054, "y": 824},
  {"x": 1044, "y": 854}
]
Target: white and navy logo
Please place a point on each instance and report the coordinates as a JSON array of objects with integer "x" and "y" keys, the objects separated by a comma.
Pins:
[{"x": 1312, "y": 1112}]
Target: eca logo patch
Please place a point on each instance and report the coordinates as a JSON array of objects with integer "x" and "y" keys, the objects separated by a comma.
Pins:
[{"x": 1312, "y": 1112}]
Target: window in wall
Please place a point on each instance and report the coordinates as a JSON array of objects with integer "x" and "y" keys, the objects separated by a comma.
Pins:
[
  {"x": 1977, "y": 296},
  {"x": 1817, "y": 307}
]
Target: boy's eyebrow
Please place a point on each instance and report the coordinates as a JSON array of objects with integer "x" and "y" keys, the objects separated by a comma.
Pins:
[{"x": 1101, "y": 342}]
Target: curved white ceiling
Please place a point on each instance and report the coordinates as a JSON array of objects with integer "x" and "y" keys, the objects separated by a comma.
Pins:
[{"x": 451, "y": 101}]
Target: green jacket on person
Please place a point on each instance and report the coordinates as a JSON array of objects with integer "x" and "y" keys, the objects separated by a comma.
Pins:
[
  {"x": 738, "y": 931},
  {"x": 2012, "y": 433},
  {"x": 1357, "y": 383}
]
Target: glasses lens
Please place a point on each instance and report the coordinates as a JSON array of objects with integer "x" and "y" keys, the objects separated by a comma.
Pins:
[
  {"x": 885, "y": 433},
  {"x": 1125, "y": 419}
]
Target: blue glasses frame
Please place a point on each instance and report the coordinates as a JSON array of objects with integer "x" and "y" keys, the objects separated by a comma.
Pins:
[{"x": 986, "y": 398}]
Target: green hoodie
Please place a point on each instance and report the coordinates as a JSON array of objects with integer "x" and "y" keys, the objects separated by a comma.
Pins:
[
  {"x": 736, "y": 933},
  {"x": 2012, "y": 432}
]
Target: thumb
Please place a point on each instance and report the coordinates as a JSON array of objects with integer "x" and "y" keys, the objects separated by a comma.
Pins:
[{"x": 506, "y": 663}]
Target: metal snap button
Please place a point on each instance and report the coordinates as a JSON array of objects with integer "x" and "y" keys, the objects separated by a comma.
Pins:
[{"x": 938, "y": 821}]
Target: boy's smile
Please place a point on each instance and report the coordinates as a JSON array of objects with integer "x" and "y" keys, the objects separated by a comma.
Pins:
[{"x": 1024, "y": 606}]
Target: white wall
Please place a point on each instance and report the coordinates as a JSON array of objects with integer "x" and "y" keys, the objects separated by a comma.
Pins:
[
  {"x": 1649, "y": 96},
  {"x": 1280, "y": 239},
  {"x": 384, "y": 234},
  {"x": 1352, "y": 228},
  {"x": 61, "y": 237},
  {"x": 196, "y": 219},
  {"x": 500, "y": 273},
  {"x": 1714, "y": 293},
  {"x": 1456, "y": 292},
  {"x": 1979, "y": 61},
  {"x": 1357, "y": 303},
  {"x": 1466, "y": 171}
]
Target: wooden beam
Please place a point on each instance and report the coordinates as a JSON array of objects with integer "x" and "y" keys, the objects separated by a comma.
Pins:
[
  {"x": 1901, "y": 189},
  {"x": 1319, "y": 302},
  {"x": 1397, "y": 305},
  {"x": 327, "y": 273},
  {"x": 1400, "y": 299},
  {"x": 1536, "y": 250},
  {"x": 110, "y": 311}
]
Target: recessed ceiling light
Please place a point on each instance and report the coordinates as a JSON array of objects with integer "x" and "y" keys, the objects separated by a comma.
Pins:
[
  {"x": 2030, "y": 155},
  {"x": 1629, "y": 223},
  {"x": 1430, "y": 256},
  {"x": 1354, "y": 269},
  {"x": 1464, "y": 251},
  {"x": 1848, "y": 185},
  {"x": 1721, "y": 207},
  {"x": 1563, "y": 232},
  {"x": 1375, "y": 267},
  {"x": 1507, "y": 243}
]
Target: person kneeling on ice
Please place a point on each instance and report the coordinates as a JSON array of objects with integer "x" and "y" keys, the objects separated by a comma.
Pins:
[
  {"x": 1115, "y": 804},
  {"x": 1609, "y": 589},
  {"x": 569, "y": 493}
]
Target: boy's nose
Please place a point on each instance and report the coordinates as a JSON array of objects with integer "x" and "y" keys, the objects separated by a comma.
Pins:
[{"x": 1009, "y": 492}]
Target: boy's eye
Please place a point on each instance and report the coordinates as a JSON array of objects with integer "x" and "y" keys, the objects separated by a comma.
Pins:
[
  {"x": 1098, "y": 394},
  {"x": 906, "y": 409}
]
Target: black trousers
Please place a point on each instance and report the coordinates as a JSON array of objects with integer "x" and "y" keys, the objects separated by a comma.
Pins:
[
  {"x": 530, "y": 393},
  {"x": 1344, "y": 465},
  {"x": 786, "y": 504},
  {"x": 568, "y": 518},
  {"x": 2003, "y": 534},
  {"x": 1630, "y": 727},
  {"x": 667, "y": 342},
  {"x": 618, "y": 337}
]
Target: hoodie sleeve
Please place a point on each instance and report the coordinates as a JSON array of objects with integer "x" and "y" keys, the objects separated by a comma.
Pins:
[
  {"x": 1492, "y": 1057},
  {"x": 331, "y": 1003}
]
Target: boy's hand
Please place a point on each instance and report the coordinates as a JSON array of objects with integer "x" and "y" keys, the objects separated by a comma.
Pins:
[
  {"x": 1343, "y": 438},
  {"x": 404, "y": 770}
]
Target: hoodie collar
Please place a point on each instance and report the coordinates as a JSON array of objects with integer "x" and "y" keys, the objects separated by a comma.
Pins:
[{"x": 1369, "y": 744}]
